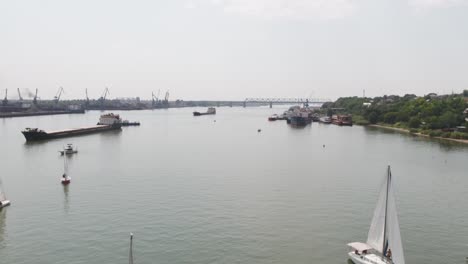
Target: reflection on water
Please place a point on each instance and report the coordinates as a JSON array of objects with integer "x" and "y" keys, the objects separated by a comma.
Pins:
[
  {"x": 444, "y": 144},
  {"x": 31, "y": 144},
  {"x": 111, "y": 134},
  {"x": 2, "y": 226},
  {"x": 66, "y": 204}
]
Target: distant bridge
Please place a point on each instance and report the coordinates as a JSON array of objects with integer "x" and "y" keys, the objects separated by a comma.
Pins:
[{"x": 271, "y": 101}]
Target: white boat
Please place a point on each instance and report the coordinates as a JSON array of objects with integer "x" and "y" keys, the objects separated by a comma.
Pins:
[
  {"x": 3, "y": 200},
  {"x": 130, "y": 255},
  {"x": 325, "y": 120},
  {"x": 65, "y": 178},
  {"x": 383, "y": 244},
  {"x": 68, "y": 150}
]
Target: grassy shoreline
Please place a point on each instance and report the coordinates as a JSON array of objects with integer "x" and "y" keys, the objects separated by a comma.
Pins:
[{"x": 465, "y": 141}]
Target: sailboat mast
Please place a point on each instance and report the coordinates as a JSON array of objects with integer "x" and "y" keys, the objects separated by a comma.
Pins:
[
  {"x": 384, "y": 248},
  {"x": 130, "y": 255}
]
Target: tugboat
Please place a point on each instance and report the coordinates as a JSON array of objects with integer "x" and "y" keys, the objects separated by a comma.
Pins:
[
  {"x": 128, "y": 123},
  {"x": 273, "y": 117},
  {"x": 3, "y": 200},
  {"x": 110, "y": 119},
  {"x": 210, "y": 111},
  {"x": 276, "y": 117},
  {"x": 65, "y": 178},
  {"x": 68, "y": 150}
]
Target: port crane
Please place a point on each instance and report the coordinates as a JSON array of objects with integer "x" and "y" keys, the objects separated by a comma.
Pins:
[
  {"x": 5, "y": 100},
  {"x": 166, "y": 97},
  {"x": 59, "y": 93},
  {"x": 104, "y": 95},
  {"x": 155, "y": 98},
  {"x": 19, "y": 95},
  {"x": 35, "y": 98},
  {"x": 87, "y": 98}
]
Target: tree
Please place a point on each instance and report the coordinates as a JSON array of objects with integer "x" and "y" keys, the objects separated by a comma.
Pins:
[
  {"x": 414, "y": 122},
  {"x": 391, "y": 117},
  {"x": 373, "y": 117},
  {"x": 447, "y": 120},
  {"x": 403, "y": 116}
]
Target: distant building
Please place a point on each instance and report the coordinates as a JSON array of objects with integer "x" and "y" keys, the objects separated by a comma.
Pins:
[{"x": 432, "y": 95}]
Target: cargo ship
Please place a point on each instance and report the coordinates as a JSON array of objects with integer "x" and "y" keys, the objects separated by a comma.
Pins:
[
  {"x": 298, "y": 120},
  {"x": 211, "y": 111},
  {"x": 298, "y": 116},
  {"x": 106, "y": 122},
  {"x": 342, "y": 120}
]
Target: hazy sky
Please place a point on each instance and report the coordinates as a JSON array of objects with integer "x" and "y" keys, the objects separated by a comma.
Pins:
[{"x": 233, "y": 49}]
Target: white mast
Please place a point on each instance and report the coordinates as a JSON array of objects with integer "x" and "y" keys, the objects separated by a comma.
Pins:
[{"x": 385, "y": 242}]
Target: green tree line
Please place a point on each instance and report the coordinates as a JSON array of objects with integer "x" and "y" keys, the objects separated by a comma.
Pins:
[{"x": 430, "y": 112}]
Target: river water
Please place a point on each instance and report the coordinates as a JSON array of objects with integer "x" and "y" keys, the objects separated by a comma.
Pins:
[{"x": 212, "y": 189}]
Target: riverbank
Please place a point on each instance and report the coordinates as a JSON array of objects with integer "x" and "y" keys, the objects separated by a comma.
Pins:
[
  {"x": 465, "y": 141},
  {"x": 40, "y": 113}
]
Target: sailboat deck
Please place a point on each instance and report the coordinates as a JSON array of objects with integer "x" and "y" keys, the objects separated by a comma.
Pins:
[{"x": 370, "y": 258}]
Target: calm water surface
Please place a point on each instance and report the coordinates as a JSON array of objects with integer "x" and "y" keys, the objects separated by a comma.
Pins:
[{"x": 212, "y": 189}]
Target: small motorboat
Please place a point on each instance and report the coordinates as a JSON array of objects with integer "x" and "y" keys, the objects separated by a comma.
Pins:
[
  {"x": 325, "y": 120},
  {"x": 65, "y": 179},
  {"x": 3, "y": 200},
  {"x": 273, "y": 117},
  {"x": 68, "y": 150},
  {"x": 4, "y": 203}
]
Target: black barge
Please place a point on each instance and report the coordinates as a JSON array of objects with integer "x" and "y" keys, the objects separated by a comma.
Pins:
[
  {"x": 211, "y": 111},
  {"x": 106, "y": 122},
  {"x": 34, "y": 134}
]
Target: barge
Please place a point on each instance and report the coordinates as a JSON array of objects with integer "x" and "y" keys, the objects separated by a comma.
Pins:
[
  {"x": 342, "y": 120},
  {"x": 106, "y": 122},
  {"x": 210, "y": 111}
]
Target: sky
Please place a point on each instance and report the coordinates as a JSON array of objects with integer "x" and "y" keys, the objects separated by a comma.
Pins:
[{"x": 233, "y": 49}]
